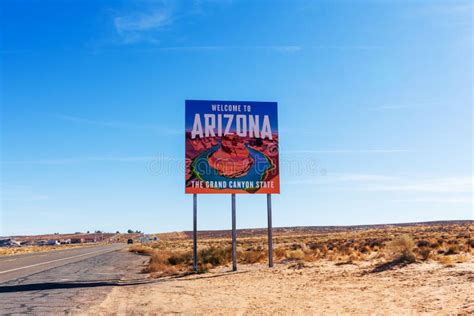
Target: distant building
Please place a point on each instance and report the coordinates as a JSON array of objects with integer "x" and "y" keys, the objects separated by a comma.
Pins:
[
  {"x": 77, "y": 240},
  {"x": 8, "y": 242}
]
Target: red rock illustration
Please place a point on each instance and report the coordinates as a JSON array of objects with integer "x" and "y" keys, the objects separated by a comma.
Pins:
[{"x": 233, "y": 159}]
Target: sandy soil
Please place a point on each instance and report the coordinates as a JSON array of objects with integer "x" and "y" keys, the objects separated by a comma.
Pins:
[{"x": 318, "y": 288}]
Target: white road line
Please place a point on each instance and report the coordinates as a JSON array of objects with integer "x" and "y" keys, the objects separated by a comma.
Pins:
[{"x": 43, "y": 263}]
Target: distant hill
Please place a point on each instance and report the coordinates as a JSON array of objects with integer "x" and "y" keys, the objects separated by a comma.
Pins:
[
  {"x": 253, "y": 232},
  {"x": 247, "y": 232}
]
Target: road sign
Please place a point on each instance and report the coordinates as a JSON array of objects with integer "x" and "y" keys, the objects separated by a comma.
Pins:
[{"x": 231, "y": 147}]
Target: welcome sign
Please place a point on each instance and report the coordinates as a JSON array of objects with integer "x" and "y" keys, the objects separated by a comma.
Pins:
[{"x": 231, "y": 147}]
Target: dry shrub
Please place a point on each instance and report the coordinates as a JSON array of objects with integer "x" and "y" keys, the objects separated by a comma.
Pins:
[
  {"x": 375, "y": 243},
  {"x": 471, "y": 243},
  {"x": 279, "y": 252},
  {"x": 161, "y": 269},
  {"x": 402, "y": 249},
  {"x": 141, "y": 250},
  {"x": 297, "y": 246},
  {"x": 180, "y": 258},
  {"x": 164, "y": 262},
  {"x": 295, "y": 254},
  {"x": 324, "y": 251},
  {"x": 462, "y": 258},
  {"x": 353, "y": 257},
  {"x": 446, "y": 261},
  {"x": 215, "y": 256},
  {"x": 344, "y": 250},
  {"x": 365, "y": 249},
  {"x": 204, "y": 267},
  {"x": 425, "y": 253},
  {"x": 159, "y": 262},
  {"x": 452, "y": 250},
  {"x": 310, "y": 255},
  {"x": 313, "y": 245},
  {"x": 252, "y": 256},
  {"x": 423, "y": 243},
  {"x": 173, "y": 262}
]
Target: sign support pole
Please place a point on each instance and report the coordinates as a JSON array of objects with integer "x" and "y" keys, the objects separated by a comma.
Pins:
[
  {"x": 234, "y": 236},
  {"x": 195, "y": 267},
  {"x": 270, "y": 240}
]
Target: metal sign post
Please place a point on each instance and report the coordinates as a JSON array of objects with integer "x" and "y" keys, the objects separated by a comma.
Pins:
[
  {"x": 234, "y": 236},
  {"x": 195, "y": 266},
  {"x": 270, "y": 241}
]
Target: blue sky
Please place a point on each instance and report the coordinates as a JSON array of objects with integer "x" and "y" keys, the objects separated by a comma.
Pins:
[{"x": 375, "y": 110}]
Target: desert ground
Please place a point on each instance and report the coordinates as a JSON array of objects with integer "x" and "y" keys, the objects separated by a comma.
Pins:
[
  {"x": 407, "y": 269},
  {"x": 317, "y": 288}
]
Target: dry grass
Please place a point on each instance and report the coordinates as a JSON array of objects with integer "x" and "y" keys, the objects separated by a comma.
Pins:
[
  {"x": 373, "y": 245},
  {"x": 164, "y": 263},
  {"x": 453, "y": 249},
  {"x": 425, "y": 253},
  {"x": 447, "y": 261},
  {"x": 252, "y": 256},
  {"x": 171, "y": 262},
  {"x": 279, "y": 252},
  {"x": 462, "y": 258},
  {"x": 215, "y": 256},
  {"x": 295, "y": 254},
  {"x": 141, "y": 250},
  {"x": 401, "y": 249},
  {"x": 8, "y": 251}
]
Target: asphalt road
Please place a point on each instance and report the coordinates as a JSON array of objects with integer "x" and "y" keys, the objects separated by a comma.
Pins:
[
  {"x": 66, "y": 281},
  {"x": 13, "y": 267}
]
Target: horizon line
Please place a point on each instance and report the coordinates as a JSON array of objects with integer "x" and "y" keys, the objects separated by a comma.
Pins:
[{"x": 433, "y": 222}]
